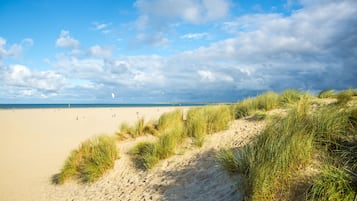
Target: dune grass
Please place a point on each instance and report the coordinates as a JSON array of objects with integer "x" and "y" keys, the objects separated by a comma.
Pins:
[
  {"x": 206, "y": 120},
  {"x": 171, "y": 128},
  {"x": 287, "y": 144},
  {"x": 332, "y": 184},
  {"x": 90, "y": 161},
  {"x": 138, "y": 129},
  {"x": 265, "y": 102},
  {"x": 343, "y": 97},
  {"x": 169, "y": 119},
  {"x": 327, "y": 93},
  {"x": 290, "y": 96}
]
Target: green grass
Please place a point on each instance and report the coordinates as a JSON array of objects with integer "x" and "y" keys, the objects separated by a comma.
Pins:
[
  {"x": 290, "y": 96},
  {"x": 265, "y": 102},
  {"x": 171, "y": 135},
  {"x": 90, "y": 161},
  {"x": 138, "y": 129},
  {"x": 207, "y": 120},
  {"x": 196, "y": 125},
  {"x": 274, "y": 155},
  {"x": 332, "y": 184},
  {"x": 286, "y": 146},
  {"x": 343, "y": 97},
  {"x": 327, "y": 93},
  {"x": 258, "y": 116},
  {"x": 169, "y": 120},
  {"x": 145, "y": 154}
]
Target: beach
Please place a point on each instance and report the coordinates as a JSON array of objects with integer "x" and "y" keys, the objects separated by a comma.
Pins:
[{"x": 35, "y": 142}]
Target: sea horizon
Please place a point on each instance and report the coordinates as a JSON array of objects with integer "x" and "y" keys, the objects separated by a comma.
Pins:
[{"x": 99, "y": 105}]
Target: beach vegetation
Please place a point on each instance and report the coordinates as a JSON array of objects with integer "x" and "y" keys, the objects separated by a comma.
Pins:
[
  {"x": 290, "y": 96},
  {"x": 258, "y": 116},
  {"x": 90, "y": 161},
  {"x": 138, "y": 129},
  {"x": 147, "y": 154},
  {"x": 327, "y": 93},
  {"x": 343, "y": 97},
  {"x": 264, "y": 102},
  {"x": 169, "y": 119},
  {"x": 207, "y": 120},
  {"x": 289, "y": 144}
]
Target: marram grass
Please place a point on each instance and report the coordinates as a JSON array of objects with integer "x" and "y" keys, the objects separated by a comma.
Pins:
[
  {"x": 90, "y": 161},
  {"x": 207, "y": 120},
  {"x": 286, "y": 146}
]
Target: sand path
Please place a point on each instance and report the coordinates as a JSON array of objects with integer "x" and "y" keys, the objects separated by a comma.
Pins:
[{"x": 192, "y": 174}]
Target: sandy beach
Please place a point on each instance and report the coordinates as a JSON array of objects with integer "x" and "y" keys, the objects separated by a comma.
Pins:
[{"x": 35, "y": 143}]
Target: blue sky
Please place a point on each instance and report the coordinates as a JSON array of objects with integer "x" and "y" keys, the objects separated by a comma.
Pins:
[{"x": 60, "y": 51}]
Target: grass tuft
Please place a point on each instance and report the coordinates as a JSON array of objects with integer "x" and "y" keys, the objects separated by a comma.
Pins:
[
  {"x": 90, "y": 161},
  {"x": 206, "y": 120},
  {"x": 327, "y": 93},
  {"x": 168, "y": 120},
  {"x": 290, "y": 96},
  {"x": 332, "y": 184},
  {"x": 343, "y": 97}
]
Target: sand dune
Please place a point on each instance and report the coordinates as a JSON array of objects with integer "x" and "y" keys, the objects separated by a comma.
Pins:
[{"x": 35, "y": 143}]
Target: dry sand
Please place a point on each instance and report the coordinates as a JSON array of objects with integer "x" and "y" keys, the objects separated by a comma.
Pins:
[{"x": 35, "y": 142}]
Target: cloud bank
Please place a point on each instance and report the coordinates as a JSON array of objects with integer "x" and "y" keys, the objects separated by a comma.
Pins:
[{"x": 314, "y": 48}]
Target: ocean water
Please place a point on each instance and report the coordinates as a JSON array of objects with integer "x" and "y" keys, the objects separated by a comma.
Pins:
[{"x": 34, "y": 106}]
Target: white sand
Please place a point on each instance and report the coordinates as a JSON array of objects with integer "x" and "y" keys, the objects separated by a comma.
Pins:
[{"x": 35, "y": 143}]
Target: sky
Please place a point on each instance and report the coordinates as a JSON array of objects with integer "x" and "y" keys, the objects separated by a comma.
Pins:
[{"x": 154, "y": 51}]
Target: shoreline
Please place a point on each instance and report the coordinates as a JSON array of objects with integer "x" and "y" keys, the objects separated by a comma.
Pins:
[
  {"x": 35, "y": 142},
  {"x": 104, "y": 105}
]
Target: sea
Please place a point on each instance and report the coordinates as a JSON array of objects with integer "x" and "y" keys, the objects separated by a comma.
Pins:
[{"x": 76, "y": 105}]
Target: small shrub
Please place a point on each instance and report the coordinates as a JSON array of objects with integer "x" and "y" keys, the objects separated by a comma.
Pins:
[
  {"x": 90, "y": 161},
  {"x": 327, "y": 93}
]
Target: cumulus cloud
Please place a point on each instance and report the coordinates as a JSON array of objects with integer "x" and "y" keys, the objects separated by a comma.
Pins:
[
  {"x": 15, "y": 50},
  {"x": 99, "y": 51},
  {"x": 66, "y": 41},
  {"x": 21, "y": 81}
]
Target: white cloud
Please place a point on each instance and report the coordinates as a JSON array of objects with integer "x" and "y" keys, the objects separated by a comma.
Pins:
[
  {"x": 189, "y": 10},
  {"x": 99, "y": 51},
  {"x": 209, "y": 76},
  {"x": 100, "y": 26},
  {"x": 153, "y": 39},
  {"x": 15, "y": 50},
  {"x": 195, "y": 35},
  {"x": 158, "y": 17},
  {"x": 66, "y": 41},
  {"x": 21, "y": 81}
]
